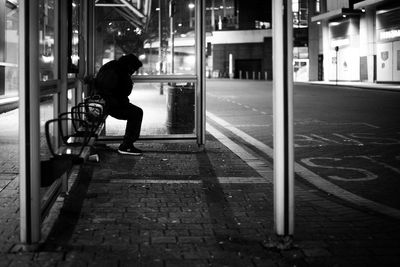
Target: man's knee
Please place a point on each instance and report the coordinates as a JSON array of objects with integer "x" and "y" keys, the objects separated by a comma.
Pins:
[
  {"x": 136, "y": 111},
  {"x": 139, "y": 112}
]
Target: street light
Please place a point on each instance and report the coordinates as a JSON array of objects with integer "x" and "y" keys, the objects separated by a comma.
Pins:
[
  {"x": 171, "y": 19},
  {"x": 160, "y": 58},
  {"x": 191, "y": 7},
  {"x": 336, "y": 50}
]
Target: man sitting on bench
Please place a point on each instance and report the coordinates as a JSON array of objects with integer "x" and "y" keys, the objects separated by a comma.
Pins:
[{"x": 114, "y": 83}]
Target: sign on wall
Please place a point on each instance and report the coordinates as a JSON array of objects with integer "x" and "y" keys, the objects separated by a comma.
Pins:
[{"x": 384, "y": 62}]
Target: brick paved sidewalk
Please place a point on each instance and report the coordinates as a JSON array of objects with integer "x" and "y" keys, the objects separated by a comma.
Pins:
[{"x": 177, "y": 206}]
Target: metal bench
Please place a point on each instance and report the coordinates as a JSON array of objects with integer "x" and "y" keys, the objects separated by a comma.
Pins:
[{"x": 78, "y": 131}]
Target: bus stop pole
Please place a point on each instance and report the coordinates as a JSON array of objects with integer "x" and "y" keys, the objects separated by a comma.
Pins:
[
  {"x": 283, "y": 117},
  {"x": 200, "y": 72},
  {"x": 29, "y": 123}
]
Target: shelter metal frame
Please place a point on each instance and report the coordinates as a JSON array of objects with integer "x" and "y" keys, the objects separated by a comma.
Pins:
[
  {"x": 31, "y": 211},
  {"x": 30, "y": 91}
]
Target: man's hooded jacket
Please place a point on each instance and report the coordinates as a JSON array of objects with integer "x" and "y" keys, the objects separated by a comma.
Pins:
[{"x": 113, "y": 81}]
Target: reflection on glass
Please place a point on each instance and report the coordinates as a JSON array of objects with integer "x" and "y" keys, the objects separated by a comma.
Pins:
[
  {"x": 161, "y": 35},
  {"x": 73, "y": 28},
  {"x": 71, "y": 98},
  {"x": 47, "y": 28},
  {"x": 170, "y": 113},
  {"x": 9, "y": 166},
  {"x": 9, "y": 52},
  {"x": 46, "y": 113}
]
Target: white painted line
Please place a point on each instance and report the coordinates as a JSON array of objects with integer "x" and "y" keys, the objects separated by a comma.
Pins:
[
  {"x": 242, "y": 180},
  {"x": 344, "y": 123},
  {"x": 370, "y": 125},
  {"x": 335, "y": 190},
  {"x": 371, "y": 158},
  {"x": 252, "y": 125},
  {"x": 261, "y": 167},
  {"x": 221, "y": 180},
  {"x": 348, "y": 139},
  {"x": 310, "y": 176},
  {"x": 153, "y": 181},
  {"x": 324, "y": 139},
  {"x": 368, "y": 176},
  {"x": 249, "y": 139}
]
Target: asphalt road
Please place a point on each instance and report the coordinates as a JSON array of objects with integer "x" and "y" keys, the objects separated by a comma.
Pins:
[{"x": 347, "y": 137}]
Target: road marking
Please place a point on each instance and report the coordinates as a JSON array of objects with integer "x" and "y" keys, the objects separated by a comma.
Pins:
[
  {"x": 368, "y": 175},
  {"x": 378, "y": 140},
  {"x": 221, "y": 180},
  {"x": 260, "y": 166},
  {"x": 371, "y": 158},
  {"x": 153, "y": 181},
  {"x": 252, "y": 125},
  {"x": 340, "y": 123},
  {"x": 237, "y": 103},
  {"x": 310, "y": 141},
  {"x": 324, "y": 139},
  {"x": 249, "y": 139},
  {"x": 348, "y": 139},
  {"x": 310, "y": 176}
]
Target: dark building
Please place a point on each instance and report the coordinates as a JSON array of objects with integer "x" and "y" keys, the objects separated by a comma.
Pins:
[{"x": 240, "y": 38}]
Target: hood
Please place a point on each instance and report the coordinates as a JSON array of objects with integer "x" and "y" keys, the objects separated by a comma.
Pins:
[{"x": 130, "y": 63}]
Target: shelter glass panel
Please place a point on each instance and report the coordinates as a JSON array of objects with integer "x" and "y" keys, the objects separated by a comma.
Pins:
[
  {"x": 71, "y": 99},
  {"x": 9, "y": 49},
  {"x": 161, "y": 34},
  {"x": 73, "y": 36},
  {"x": 168, "y": 109},
  {"x": 9, "y": 91},
  {"x": 47, "y": 31},
  {"x": 46, "y": 113}
]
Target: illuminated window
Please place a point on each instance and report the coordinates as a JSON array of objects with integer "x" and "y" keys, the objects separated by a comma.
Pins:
[
  {"x": 295, "y": 6},
  {"x": 317, "y": 6}
]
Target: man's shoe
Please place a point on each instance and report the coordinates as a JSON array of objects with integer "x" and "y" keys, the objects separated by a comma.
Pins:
[{"x": 130, "y": 151}]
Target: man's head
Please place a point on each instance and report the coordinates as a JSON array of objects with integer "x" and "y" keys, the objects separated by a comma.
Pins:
[{"x": 130, "y": 62}]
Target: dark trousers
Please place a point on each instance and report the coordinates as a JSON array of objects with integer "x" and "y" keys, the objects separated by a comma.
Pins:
[{"x": 133, "y": 116}]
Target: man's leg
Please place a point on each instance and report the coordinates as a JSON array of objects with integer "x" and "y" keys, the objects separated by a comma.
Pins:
[
  {"x": 133, "y": 124},
  {"x": 133, "y": 115}
]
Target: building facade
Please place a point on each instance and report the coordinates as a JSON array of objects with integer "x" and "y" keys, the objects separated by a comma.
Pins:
[
  {"x": 239, "y": 38},
  {"x": 356, "y": 41}
]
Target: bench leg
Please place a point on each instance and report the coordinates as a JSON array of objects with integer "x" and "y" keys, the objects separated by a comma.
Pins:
[{"x": 64, "y": 183}]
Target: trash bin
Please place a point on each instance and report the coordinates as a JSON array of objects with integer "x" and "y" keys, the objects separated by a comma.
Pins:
[{"x": 180, "y": 108}]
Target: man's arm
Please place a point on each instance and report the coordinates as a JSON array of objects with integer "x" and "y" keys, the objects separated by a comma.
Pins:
[{"x": 107, "y": 82}]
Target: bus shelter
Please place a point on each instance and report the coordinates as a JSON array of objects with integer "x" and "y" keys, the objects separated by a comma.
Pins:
[
  {"x": 57, "y": 44},
  {"x": 62, "y": 42}
]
